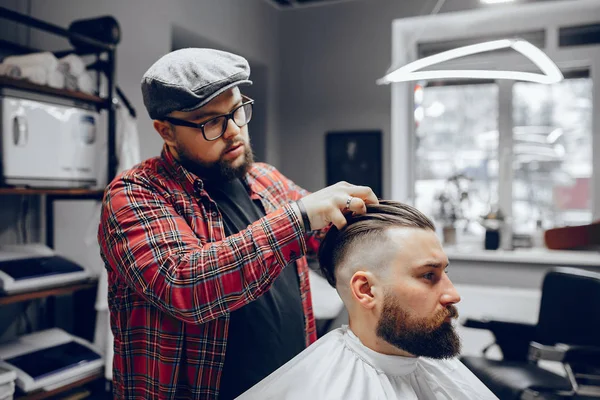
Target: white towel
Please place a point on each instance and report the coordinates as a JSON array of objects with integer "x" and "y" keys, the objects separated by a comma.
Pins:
[
  {"x": 71, "y": 81},
  {"x": 35, "y": 73},
  {"x": 10, "y": 70},
  {"x": 56, "y": 79},
  {"x": 7, "y": 390},
  {"x": 73, "y": 64},
  {"x": 46, "y": 60},
  {"x": 85, "y": 83}
]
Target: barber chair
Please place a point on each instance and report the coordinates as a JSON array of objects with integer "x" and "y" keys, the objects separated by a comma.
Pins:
[{"x": 568, "y": 331}]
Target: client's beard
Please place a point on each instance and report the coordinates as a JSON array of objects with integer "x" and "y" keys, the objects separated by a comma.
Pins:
[
  {"x": 220, "y": 170},
  {"x": 433, "y": 338}
]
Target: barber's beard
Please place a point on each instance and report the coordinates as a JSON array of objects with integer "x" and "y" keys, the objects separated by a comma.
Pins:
[
  {"x": 218, "y": 171},
  {"x": 433, "y": 337}
]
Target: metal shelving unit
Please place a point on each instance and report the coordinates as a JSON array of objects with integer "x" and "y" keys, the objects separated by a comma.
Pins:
[{"x": 105, "y": 54}]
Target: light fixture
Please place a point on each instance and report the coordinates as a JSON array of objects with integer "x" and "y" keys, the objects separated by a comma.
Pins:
[
  {"x": 412, "y": 71},
  {"x": 496, "y": 1}
]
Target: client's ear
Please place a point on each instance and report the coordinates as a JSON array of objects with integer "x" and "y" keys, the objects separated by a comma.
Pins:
[{"x": 363, "y": 289}]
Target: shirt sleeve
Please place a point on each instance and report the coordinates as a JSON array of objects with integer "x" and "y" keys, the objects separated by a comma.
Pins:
[
  {"x": 294, "y": 192},
  {"x": 145, "y": 240}
]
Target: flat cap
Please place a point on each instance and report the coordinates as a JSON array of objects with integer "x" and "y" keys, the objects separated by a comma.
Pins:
[{"x": 187, "y": 79}]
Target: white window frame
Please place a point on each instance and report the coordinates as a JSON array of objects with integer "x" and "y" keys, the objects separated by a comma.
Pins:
[{"x": 407, "y": 33}]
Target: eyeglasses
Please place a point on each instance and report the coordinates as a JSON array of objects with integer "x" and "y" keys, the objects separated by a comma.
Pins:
[{"x": 215, "y": 127}]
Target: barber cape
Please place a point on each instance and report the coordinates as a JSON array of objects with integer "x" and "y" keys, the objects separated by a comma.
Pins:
[{"x": 339, "y": 366}]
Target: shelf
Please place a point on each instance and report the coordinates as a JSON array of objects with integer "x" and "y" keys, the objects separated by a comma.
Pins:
[
  {"x": 70, "y": 94},
  {"x": 54, "y": 291},
  {"x": 525, "y": 256},
  {"x": 62, "y": 193},
  {"x": 44, "y": 395}
]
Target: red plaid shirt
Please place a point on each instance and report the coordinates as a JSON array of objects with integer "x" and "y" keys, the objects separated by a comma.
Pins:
[{"x": 173, "y": 277}]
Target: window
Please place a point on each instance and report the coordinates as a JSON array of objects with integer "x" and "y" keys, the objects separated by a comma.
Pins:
[
  {"x": 552, "y": 154},
  {"x": 457, "y": 154},
  {"x": 531, "y": 151},
  {"x": 457, "y": 147}
]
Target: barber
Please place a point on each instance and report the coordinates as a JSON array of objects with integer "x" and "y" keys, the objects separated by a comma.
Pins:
[{"x": 205, "y": 248}]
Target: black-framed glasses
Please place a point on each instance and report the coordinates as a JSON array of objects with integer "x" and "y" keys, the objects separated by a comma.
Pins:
[{"x": 214, "y": 128}]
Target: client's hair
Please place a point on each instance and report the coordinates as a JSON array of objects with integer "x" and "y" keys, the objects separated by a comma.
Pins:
[{"x": 370, "y": 226}]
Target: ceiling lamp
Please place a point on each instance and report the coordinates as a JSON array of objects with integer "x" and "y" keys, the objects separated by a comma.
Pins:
[{"x": 413, "y": 71}]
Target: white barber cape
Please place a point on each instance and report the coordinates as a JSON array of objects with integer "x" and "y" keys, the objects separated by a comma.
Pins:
[{"x": 339, "y": 366}]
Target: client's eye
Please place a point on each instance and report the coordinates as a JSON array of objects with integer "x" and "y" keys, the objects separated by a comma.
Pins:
[{"x": 429, "y": 276}]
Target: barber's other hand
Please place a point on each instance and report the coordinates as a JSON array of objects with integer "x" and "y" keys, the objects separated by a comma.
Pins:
[{"x": 328, "y": 204}]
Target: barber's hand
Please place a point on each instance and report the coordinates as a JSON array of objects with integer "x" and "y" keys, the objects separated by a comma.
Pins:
[{"x": 328, "y": 205}]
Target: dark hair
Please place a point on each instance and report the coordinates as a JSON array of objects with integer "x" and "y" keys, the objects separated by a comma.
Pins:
[{"x": 378, "y": 218}]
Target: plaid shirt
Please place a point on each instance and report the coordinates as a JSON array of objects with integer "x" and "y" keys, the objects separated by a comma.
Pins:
[{"x": 173, "y": 276}]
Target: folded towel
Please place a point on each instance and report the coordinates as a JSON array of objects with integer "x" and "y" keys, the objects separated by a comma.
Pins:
[
  {"x": 10, "y": 70},
  {"x": 73, "y": 64},
  {"x": 46, "y": 60},
  {"x": 56, "y": 79},
  {"x": 86, "y": 83},
  {"x": 35, "y": 74},
  {"x": 71, "y": 82}
]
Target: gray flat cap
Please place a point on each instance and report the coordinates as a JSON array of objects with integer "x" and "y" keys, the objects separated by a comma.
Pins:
[{"x": 187, "y": 79}]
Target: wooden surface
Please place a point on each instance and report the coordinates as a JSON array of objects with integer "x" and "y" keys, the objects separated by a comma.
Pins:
[
  {"x": 26, "y": 85},
  {"x": 55, "y": 291},
  {"x": 44, "y": 395},
  {"x": 75, "y": 193}
]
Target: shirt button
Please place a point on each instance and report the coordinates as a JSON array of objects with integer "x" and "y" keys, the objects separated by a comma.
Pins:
[
  {"x": 198, "y": 186},
  {"x": 214, "y": 214}
]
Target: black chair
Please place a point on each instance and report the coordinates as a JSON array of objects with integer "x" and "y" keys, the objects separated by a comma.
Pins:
[{"x": 568, "y": 331}]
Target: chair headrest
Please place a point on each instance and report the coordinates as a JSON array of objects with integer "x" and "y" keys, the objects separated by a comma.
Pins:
[{"x": 570, "y": 307}]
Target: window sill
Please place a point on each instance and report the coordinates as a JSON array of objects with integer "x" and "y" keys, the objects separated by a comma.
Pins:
[{"x": 528, "y": 256}]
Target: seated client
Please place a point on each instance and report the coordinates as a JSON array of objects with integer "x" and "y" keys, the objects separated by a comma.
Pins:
[{"x": 390, "y": 270}]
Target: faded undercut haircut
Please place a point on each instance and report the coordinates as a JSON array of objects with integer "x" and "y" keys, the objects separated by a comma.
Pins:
[{"x": 365, "y": 232}]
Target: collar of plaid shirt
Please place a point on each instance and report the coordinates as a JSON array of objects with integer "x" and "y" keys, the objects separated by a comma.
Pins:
[{"x": 173, "y": 282}]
